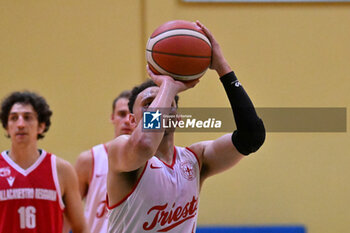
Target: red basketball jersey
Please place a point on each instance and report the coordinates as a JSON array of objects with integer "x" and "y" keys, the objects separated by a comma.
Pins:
[{"x": 30, "y": 199}]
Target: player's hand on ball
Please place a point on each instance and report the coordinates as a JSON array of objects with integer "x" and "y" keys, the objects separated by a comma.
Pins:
[
  {"x": 179, "y": 86},
  {"x": 218, "y": 61}
]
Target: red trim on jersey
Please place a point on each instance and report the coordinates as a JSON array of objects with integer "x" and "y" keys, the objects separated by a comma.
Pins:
[
  {"x": 93, "y": 166},
  {"x": 173, "y": 162},
  {"x": 128, "y": 195},
  {"x": 199, "y": 164},
  {"x": 53, "y": 161}
]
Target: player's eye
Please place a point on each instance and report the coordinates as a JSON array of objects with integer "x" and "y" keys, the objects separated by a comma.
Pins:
[
  {"x": 147, "y": 104},
  {"x": 122, "y": 114},
  {"x": 13, "y": 117},
  {"x": 27, "y": 118}
]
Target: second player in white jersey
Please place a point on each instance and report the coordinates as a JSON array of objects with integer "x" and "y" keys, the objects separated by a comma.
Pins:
[
  {"x": 155, "y": 210},
  {"x": 92, "y": 166}
]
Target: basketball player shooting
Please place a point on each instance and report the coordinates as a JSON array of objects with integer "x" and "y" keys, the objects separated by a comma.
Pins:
[{"x": 152, "y": 185}]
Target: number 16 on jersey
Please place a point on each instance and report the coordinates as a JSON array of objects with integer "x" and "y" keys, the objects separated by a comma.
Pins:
[{"x": 27, "y": 217}]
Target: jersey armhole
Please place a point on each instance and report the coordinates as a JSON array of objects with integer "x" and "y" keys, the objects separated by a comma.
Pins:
[
  {"x": 56, "y": 181},
  {"x": 129, "y": 194},
  {"x": 92, "y": 168},
  {"x": 195, "y": 155}
]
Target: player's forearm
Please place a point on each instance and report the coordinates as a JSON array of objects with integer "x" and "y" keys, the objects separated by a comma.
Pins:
[
  {"x": 162, "y": 102},
  {"x": 222, "y": 67},
  {"x": 143, "y": 144},
  {"x": 250, "y": 133}
]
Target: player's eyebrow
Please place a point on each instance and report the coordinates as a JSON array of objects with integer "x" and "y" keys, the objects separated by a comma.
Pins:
[
  {"x": 122, "y": 111},
  {"x": 19, "y": 112}
]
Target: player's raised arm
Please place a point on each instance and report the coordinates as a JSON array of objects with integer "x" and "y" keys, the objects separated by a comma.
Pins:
[
  {"x": 226, "y": 151},
  {"x": 128, "y": 153}
]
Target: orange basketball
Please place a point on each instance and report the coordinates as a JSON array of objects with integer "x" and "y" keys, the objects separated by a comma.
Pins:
[{"x": 179, "y": 49}]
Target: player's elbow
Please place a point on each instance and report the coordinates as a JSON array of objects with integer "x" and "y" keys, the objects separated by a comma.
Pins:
[
  {"x": 129, "y": 153},
  {"x": 139, "y": 152},
  {"x": 249, "y": 141}
]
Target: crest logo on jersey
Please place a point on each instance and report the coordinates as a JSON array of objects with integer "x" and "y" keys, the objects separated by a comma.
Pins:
[
  {"x": 5, "y": 172},
  {"x": 10, "y": 180},
  {"x": 187, "y": 170},
  {"x": 151, "y": 120}
]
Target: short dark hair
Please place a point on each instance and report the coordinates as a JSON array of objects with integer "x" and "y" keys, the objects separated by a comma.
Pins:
[
  {"x": 125, "y": 94},
  {"x": 26, "y": 97},
  {"x": 138, "y": 89}
]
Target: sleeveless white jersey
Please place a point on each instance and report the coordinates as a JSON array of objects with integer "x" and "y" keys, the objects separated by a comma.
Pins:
[
  {"x": 95, "y": 205},
  {"x": 164, "y": 199}
]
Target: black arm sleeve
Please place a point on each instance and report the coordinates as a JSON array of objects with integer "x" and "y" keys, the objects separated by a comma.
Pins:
[{"x": 250, "y": 133}]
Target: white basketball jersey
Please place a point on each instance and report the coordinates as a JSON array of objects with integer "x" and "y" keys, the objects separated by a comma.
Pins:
[
  {"x": 96, "y": 205},
  {"x": 164, "y": 199}
]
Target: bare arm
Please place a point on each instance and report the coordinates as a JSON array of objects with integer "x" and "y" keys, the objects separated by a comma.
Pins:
[
  {"x": 216, "y": 156},
  {"x": 71, "y": 197},
  {"x": 83, "y": 168},
  {"x": 128, "y": 153}
]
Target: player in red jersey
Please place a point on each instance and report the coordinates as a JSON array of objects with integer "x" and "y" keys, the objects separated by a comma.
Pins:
[
  {"x": 36, "y": 188},
  {"x": 92, "y": 167}
]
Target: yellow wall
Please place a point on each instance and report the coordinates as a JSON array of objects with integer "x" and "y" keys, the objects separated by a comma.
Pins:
[{"x": 80, "y": 54}]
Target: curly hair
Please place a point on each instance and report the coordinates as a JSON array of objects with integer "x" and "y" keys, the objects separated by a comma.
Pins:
[
  {"x": 138, "y": 89},
  {"x": 38, "y": 102}
]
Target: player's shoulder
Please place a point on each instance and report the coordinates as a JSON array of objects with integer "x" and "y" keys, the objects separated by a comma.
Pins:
[
  {"x": 85, "y": 155},
  {"x": 65, "y": 170},
  {"x": 66, "y": 174},
  {"x": 85, "y": 159},
  {"x": 118, "y": 141},
  {"x": 198, "y": 147},
  {"x": 63, "y": 165}
]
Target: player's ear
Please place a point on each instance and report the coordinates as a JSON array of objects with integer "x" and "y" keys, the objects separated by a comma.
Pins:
[
  {"x": 41, "y": 127},
  {"x": 112, "y": 118},
  {"x": 132, "y": 120},
  {"x": 7, "y": 132}
]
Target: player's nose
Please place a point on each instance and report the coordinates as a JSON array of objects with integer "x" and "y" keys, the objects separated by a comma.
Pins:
[
  {"x": 20, "y": 122},
  {"x": 127, "y": 120}
]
